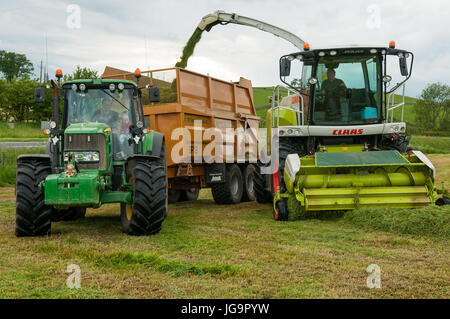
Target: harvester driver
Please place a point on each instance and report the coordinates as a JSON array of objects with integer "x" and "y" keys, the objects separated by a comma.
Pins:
[{"x": 333, "y": 89}]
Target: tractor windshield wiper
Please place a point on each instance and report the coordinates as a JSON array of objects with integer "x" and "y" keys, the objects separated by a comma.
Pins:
[{"x": 104, "y": 91}]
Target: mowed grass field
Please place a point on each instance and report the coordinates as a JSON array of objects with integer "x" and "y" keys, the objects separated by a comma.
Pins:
[
  {"x": 214, "y": 251},
  {"x": 220, "y": 251}
]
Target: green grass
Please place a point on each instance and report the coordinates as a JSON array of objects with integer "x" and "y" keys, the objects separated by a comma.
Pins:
[
  {"x": 431, "y": 144},
  {"x": 21, "y": 131},
  {"x": 219, "y": 251},
  {"x": 8, "y": 171}
]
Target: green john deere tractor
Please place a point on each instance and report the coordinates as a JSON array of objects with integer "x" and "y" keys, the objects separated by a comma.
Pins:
[
  {"x": 100, "y": 154},
  {"x": 337, "y": 138}
]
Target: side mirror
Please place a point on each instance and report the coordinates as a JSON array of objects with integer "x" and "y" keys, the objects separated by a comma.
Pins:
[
  {"x": 153, "y": 94},
  {"x": 39, "y": 95},
  {"x": 403, "y": 66},
  {"x": 285, "y": 67}
]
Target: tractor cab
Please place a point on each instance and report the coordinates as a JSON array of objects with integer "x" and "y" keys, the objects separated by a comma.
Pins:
[
  {"x": 111, "y": 102},
  {"x": 345, "y": 86}
]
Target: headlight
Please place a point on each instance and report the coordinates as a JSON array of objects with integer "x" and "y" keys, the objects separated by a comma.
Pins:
[
  {"x": 82, "y": 87},
  {"x": 120, "y": 86},
  {"x": 112, "y": 87},
  {"x": 83, "y": 157},
  {"x": 290, "y": 131},
  {"x": 52, "y": 124},
  {"x": 74, "y": 87},
  {"x": 139, "y": 124}
]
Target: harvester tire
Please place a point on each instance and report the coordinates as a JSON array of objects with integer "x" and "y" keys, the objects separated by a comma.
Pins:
[
  {"x": 249, "y": 183},
  {"x": 286, "y": 147},
  {"x": 33, "y": 217},
  {"x": 262, "y": 195},
  {"x": 231, "y": 191},
  {"x": 188, "y": 195},
  {"x": 73, "y": 213},
  {"x": 150, "y": 200},
  {"x": 281, "y": 212}
]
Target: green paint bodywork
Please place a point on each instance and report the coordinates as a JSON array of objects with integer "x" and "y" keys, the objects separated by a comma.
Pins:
[
  {"x": 91, "y": 187},
  {"x": 396, "y": 181}
]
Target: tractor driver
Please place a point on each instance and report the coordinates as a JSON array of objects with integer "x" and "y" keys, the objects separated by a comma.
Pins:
[
  {"x": 333, "y": 89},
  {"x": 106, "y": 114}
]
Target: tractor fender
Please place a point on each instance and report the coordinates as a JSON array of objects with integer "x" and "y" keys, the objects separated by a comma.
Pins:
[
  {"x": 153, "y": 143},
  {"x": 38, "y": 157}
]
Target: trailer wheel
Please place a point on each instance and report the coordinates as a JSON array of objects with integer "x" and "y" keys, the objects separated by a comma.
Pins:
[
  {"x": 231, "y": 191},
  {"x": 150, "y": 198},
  {"x": 281, "y": 211},
  {"x": 73, "y": 213},
  {"x": 188, "y": 195},
  {"x": 33, "y": 217},
  {"x": 249, "y": 183},
  {"x": 262, "y": 195},
  {"x": 174, "y": 196}
]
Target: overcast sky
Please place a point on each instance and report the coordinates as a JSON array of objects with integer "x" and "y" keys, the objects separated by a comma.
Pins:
[{"x": 115, "y": 33}]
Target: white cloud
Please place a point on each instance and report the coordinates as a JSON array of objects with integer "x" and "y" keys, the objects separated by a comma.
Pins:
[{"x": 114, "y": 32}]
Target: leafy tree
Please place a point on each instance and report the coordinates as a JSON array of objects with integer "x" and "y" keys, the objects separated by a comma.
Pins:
[
  {"x": 17, "y": 102},
  {"x": 14, "y": 65},
  {"x": 433, "y": 110},
  {"x": 296, "y": 82},
  {"x": 81, "y": 73}
]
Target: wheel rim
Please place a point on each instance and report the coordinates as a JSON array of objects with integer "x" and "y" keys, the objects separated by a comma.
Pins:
[{"x": 234, "y": 185}]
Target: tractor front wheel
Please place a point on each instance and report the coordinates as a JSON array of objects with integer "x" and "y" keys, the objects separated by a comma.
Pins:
[
  {"x": 150, "y": 200},
  {"x": 281, "y": 210},
  {"x": 33, "y": 217}
]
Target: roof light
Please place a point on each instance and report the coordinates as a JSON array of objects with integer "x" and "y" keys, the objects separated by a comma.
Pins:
[
  {"x": 321, "y": 53},
  {"x": 306, "y": 46},
  {"x": 74, "y": 87},
  {"x": 120, "y": 86},
  {"x": 82, "y": 87},
  {"x": 373, "y": 51},
  {"x": 392, "y": 44},
  {"x": 290, "y": 57},
  {"x": 333, "y": 52},
  {"x": 59, "y": 73},
  {"x": 137, "y": 73},
  {"x": 383, "y": 51},
  {"x": 112, "y": 87}
]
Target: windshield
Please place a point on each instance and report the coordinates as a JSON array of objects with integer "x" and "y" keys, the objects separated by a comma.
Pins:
[
  {"x": 348, "y": 90},
  {"x": 116, "y": 109}
]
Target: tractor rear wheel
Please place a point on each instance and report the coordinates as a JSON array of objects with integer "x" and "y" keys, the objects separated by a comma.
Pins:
[
  {"x": 249, "y": 183},
  {"x": 231, "y": 191},
  {"x": 150, "y": 200},
  {"x": 33, "y": 217},
  {"x": 73, "y": 213}
]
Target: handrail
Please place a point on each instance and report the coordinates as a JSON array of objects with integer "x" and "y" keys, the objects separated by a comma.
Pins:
[
  {"x": 393, "y": 106},
  {"x": 277, "y": 107}
]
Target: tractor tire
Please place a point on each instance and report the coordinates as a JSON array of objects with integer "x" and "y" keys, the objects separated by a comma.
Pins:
[
  {"x": 150, "y": 200},
  {"x": 231, "y": 191},
  {"x": 286, "y": 147},
  {"x": 188, "y": 195},
  {"x": 174, "y": 196},
  {"x": 33, "y": 217},
  {"x": 281, "y": 212},
  {"x": 73, "y": 213},
  {"x": 262, "y": 195},
  {"x": 249, "y": 183}
]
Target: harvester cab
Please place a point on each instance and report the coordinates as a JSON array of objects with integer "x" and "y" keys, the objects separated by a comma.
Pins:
[
  {"x": 338, "y": 135},
  {"x": 101, "y": 153}
]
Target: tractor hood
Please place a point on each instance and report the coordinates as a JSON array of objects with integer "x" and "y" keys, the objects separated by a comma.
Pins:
[{"x": 87, "y": 128}]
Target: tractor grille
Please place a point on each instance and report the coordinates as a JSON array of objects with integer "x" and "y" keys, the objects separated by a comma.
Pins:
[{"x": 87, "y": 142}]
